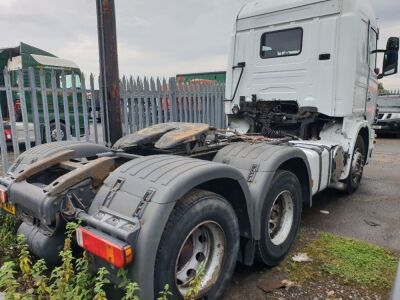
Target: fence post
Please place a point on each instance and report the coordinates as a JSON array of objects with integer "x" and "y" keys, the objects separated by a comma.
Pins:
[
  {"x": 124, "y": 94},
  {"x": 76, "y": 111},
  {"x": 146, "y": 101},
  {"x": 84, "y": 107},
  {"x": 94, "y": 109},
  {"x": 35, "y": 110},
  {"x": 66, "y": 105},
  {"x": 153, "y": 96},
  {"x": 10, "y": 103},
  {"x": 55, "y": 104},
  {"x": 45, "y": 105},
  {"x": 3, "y": 144},
  {"x": 174, "y": 106},
  {"x": 21, "y": 88},
  {"x": 159, "y": 101},
  {"x": 109, "y": 72},
  {"x": 102, "y": 113}
]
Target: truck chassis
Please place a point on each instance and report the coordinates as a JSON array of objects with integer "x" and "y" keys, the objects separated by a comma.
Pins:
[{"x": 175, "y": 198}]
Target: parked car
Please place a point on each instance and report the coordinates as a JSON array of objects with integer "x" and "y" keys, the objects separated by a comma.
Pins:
[{"x": 388, "y": 115}]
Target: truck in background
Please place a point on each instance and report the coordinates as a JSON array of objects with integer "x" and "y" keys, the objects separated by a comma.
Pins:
[
  {"x": 178, "y": 202},
  {"x": 23, "y": 57}
]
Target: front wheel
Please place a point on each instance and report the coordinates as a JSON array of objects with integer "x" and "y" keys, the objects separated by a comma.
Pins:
[
  {"x": 357, "y": 167},
  {"x": 280, "y": 218},
  {"x": 199, "y": 247}
]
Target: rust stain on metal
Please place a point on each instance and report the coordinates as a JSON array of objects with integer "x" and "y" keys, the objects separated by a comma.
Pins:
[
  {"x": 181, "y": 134},
  {"x": 44, "y": 164},
  {"x": 97, "y": 170},
  {"x": 165, "y": 136}
]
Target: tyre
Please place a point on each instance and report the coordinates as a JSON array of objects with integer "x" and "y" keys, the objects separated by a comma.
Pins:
[
  {"x": 53, "y": 132},
  {"x": 200, "y": 243},
  {"x": 280, "y": 218},
  {"x": 357, "y": 166}
]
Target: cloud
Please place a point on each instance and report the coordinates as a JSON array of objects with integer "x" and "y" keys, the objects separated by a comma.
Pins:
[{"x": 156, "y": 37}]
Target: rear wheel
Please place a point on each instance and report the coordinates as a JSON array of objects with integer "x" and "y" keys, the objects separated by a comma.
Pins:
[
  {"x": 357, "y": 166},
  {"x": 199, "y": 247},
  {"x": 280, "y": 218}
]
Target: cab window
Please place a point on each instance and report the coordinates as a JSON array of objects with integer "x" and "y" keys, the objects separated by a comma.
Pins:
[{"x": 281, "y": 43}]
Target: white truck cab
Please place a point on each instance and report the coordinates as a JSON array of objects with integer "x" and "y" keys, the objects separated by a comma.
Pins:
[{"x": 308, "y": 68}]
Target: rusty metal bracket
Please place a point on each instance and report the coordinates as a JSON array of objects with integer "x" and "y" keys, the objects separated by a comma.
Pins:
[
  {"x": 44, "y": 164},
  {"x": 97, "y": 170}
]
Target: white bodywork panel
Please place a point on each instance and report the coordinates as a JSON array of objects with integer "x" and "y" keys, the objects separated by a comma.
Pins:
[
  {"x": 318, "y": 156},
  {"x": 343, "y": 85},
  {"x": 345, "y": 134}
]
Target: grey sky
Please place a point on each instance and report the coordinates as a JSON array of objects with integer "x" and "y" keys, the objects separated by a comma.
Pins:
[{"x": 156, "y": 37}]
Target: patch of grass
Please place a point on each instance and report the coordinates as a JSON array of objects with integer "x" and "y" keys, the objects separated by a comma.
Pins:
[
  {"x": 8, "y": 237},
  {"x": 351, "y": 261},
  {"x": 24, "y": 278}
]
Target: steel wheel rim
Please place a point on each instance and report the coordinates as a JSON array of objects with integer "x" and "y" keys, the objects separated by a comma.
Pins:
[
  {"x": 54, "y": 134},
  {"x": 357, "y": 167},
  {"x": 200, "y": 257},
  {"x": 280, "y": 220}
]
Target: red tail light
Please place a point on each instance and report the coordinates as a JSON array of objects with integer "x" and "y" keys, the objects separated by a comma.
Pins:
[
  {"x": 8, "y": 134},
  {"x": 109, "y": 249}
]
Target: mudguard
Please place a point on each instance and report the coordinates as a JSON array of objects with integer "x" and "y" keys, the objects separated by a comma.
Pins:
[
  {"x": 258, "y": 164},
  {"x": 81, "y": 149},
  {"x": 345, "y": 134},
  {"x": 146, "y": 189}
]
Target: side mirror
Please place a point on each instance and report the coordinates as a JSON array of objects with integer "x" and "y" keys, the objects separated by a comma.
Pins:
[
  {"x": 392, "y": 44},
  {"x": 391, "y": 58}
]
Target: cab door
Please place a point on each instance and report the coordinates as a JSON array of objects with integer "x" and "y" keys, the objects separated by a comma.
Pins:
[{"x": 372, "y": 92}]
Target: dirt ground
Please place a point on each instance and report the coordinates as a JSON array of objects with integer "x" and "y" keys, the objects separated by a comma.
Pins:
[{"x": 372, "y": 214}]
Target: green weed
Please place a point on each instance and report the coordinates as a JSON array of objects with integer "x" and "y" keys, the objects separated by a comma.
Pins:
[{"x": 348, "y": 260}]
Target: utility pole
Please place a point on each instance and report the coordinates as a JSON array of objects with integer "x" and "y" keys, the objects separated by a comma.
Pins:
[{"x": 109, "y": 73}]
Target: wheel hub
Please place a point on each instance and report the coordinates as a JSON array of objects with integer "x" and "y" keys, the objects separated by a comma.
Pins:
[
  {"x": 357, "y": 167},
  {"x": 280, "y": 219},
  {"x": 54, "y": 135},
  {"x": 200, "y": 258}
]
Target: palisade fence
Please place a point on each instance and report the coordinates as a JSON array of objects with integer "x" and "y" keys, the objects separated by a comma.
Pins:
[{"x": 41, "y": 106}]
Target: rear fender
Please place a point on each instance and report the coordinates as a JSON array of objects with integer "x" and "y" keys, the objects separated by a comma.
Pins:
[
  {"x": 258, "y": 163},
  {"x": 345, "y": 134},
  {"x": 147, "y": 189},
  {"x": 81, "y": 149}
]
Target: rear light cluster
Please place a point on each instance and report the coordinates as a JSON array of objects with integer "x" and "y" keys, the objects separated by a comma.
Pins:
[{"x": 115, "y": 252}]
